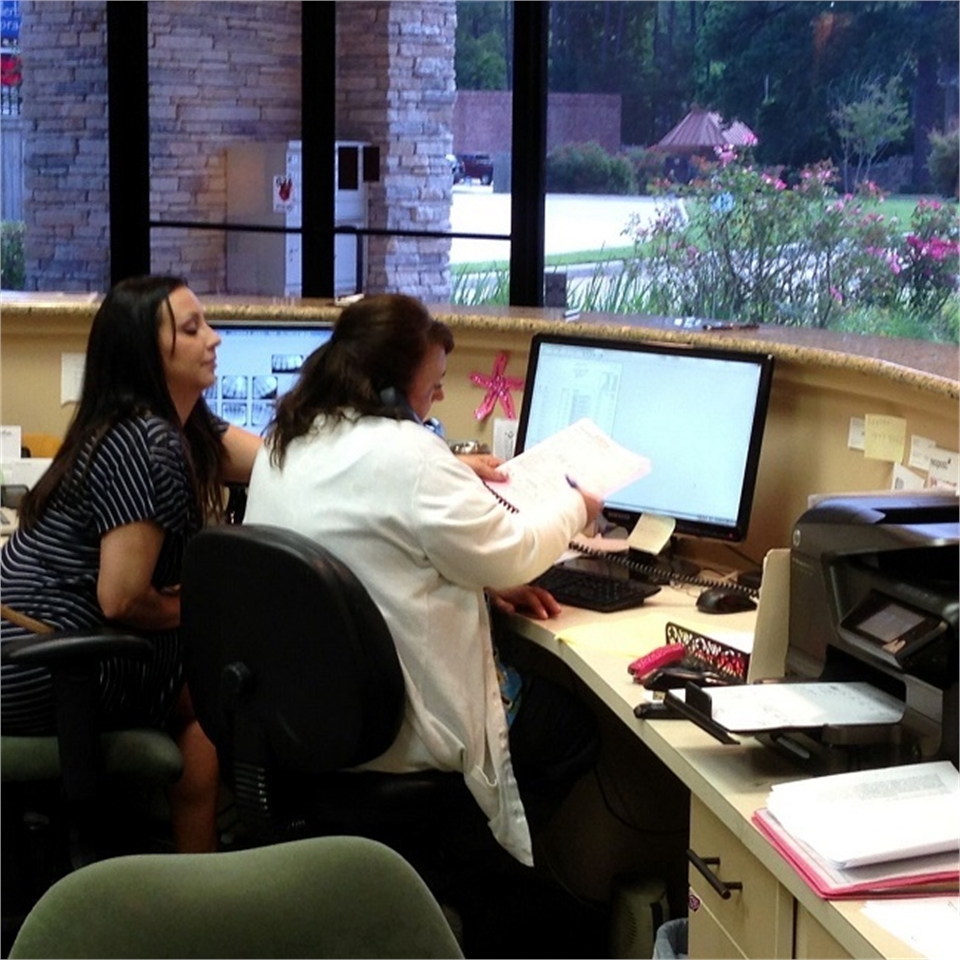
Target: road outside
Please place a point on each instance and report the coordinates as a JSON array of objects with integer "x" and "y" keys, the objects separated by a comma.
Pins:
[{"x": 573, "y": 221}]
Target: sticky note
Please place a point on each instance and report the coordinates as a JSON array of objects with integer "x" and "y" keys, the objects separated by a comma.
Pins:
[{"x": 884, "y": 437}]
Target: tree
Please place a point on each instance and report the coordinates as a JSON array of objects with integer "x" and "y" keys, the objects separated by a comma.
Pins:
[
  {"x": 484, "y": 39},
  {"x": 867, "y": 123},
  {"x": 773, "y": 65}
]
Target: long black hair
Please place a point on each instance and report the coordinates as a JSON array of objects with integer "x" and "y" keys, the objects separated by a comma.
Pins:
[
  {"x": 366, "y": 367},
  {"x": 123, "y": 377}
]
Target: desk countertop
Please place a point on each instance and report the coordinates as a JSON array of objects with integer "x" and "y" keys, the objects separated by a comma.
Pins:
[
  {"x": 732, "y": 780},
  {"x": 932, "y": 367}
]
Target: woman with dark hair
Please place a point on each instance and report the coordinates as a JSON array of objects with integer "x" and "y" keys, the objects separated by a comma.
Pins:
[
  {"x": 101, "y": 535},
  {"x": 348, "y": 462}
]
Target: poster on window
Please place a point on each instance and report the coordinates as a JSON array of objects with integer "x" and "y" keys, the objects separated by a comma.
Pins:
[{"x": 283, "y": 193}]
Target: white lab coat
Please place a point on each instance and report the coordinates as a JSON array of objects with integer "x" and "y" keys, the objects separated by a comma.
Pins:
[{"x": 425, "y": 536}]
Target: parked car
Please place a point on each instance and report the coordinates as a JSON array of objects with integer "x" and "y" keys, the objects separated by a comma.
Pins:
[{"x": 477, "y": 166}]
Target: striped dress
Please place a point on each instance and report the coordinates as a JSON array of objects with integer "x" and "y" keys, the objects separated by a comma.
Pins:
[{"x": 137, "y": 472}]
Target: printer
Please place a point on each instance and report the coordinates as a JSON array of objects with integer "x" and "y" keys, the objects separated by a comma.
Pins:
[{"x": 874, "y": 597}]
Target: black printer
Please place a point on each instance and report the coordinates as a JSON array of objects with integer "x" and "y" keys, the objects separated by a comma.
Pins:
[{"x": 874, "y": 597}]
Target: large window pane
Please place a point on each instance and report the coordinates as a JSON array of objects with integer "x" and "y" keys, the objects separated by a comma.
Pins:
[{"x": 225, "y": 121}]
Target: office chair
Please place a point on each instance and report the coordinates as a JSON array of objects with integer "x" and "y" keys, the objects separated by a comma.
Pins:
[
  {"x": 317, "y": 897},
  {"x": 295, "y": 678},
  {"x": 79, "y": 794}
]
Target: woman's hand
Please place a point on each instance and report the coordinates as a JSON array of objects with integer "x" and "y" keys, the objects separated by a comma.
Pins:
[
  {"x": 484, "y": 465},
  {"x": 533, "y": 601}
]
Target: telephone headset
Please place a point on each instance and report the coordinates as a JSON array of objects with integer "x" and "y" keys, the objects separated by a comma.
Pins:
[{"x": 392, "y": 397}]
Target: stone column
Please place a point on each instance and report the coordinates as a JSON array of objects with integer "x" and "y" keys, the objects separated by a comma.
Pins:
[{"x": 396, "y": 89}]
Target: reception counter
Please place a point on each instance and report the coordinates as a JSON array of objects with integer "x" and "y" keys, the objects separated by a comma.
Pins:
[{"x": 822, "y": 381}]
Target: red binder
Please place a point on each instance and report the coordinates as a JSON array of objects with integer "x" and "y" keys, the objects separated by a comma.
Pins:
[{"x": 915, "y": 876}]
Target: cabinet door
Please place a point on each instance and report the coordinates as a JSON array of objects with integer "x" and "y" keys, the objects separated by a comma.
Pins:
[
  {"x": 814, "y": 941},
  {"x": 756, "y": 919}
]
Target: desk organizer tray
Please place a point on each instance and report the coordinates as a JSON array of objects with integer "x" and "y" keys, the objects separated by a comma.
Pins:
[{"x": 710, "y": 654}]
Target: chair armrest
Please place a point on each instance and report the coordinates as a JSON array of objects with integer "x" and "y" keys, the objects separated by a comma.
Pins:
[{"x": 67, "y": 648}]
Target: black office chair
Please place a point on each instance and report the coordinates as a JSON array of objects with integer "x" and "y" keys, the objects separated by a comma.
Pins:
[
  {"x": 294, "y": 676},
  {"x": 80, "y": 794}
]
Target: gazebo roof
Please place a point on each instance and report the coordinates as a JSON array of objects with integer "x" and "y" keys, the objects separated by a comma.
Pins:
[{"x": 701, "y": 129}]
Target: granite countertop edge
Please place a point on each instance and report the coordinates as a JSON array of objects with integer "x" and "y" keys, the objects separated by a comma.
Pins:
[{"x": 929, "y": 366}]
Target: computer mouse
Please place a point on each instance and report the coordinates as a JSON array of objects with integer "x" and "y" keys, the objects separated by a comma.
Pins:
[{"x": 724, "y": 600}]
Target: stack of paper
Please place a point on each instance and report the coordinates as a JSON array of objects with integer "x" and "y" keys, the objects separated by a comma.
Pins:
[
  {"x": 580, "y": 454},
  {"x": 870, "y": 832}
]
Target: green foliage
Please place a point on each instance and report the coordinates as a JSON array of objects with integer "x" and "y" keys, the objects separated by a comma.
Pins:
[
  {"x": 13, "y": 274},
  {"x": 647, "y": 166},
  {"x": 867, "y": 122},
  {"x": 472, "y": 286},
  {"x": 944, "y": 162},
  {"x": 773, "y": 64},
  {"x": 481, "y": 60},
  {"x": 588, "y": 168},
  {"x": 746, "y": 246}
]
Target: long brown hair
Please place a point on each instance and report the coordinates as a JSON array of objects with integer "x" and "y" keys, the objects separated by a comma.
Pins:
[
  {"x": 366, "y": 366},
  {"x": 123, "y": 377}
]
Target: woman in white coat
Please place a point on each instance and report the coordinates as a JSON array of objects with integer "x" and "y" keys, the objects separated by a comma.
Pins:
[{"x": 349, "y": 463}]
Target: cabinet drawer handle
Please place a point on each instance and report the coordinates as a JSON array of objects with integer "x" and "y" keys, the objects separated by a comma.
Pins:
[{"x": 703, "y": 865}]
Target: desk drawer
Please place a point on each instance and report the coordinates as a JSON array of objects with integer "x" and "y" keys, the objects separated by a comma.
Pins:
[{"x": 757, "y": 917}]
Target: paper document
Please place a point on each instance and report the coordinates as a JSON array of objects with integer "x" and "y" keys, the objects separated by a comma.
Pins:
[
  {"x": 581, "y": 453},
  {"x": 873, "y": 816},
  {"x": 929, "y": 925},
  {"x": 935, "y": 873},
  {"x": 751, "y": 707}
]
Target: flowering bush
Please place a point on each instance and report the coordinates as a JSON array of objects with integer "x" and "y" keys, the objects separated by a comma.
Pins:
[{"x": 755, "y": 248}]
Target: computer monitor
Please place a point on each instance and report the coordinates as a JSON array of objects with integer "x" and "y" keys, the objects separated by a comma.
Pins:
[
  {"x": 698, "y": 414},
  {"x": 257, "y": 362}
]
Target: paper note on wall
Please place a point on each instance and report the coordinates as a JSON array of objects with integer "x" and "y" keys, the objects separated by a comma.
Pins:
[
  {"x": 855, "y": 433},
  {"x": 10, "y": 443},
  {"x": 905, "y": 479},
  {"x": 884, "y": 437},
  {"x": 71, "y": 376},
  {"x": 944, "y": 469},
  {"x": 920, "y": 448}
]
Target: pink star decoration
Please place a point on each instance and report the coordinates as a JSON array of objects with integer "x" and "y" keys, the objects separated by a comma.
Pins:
[{"x": 498, "y": 387}]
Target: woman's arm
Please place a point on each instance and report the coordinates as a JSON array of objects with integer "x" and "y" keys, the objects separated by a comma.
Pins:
[
  {"x": 241, "y": 450},
  {"x": 128, "y": 556}
]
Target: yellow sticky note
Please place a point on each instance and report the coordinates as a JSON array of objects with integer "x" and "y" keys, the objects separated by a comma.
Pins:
[{"x": 884, "y": 437}]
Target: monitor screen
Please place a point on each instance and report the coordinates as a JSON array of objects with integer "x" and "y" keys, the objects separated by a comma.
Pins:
[
  {"x": 697, "y": 414},
  {"x": 258, "y": 362}
]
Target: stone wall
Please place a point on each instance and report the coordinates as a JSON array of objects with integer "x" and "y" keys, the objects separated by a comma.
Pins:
[
  {"x": 229, "y": 73},
  {"x": 65, "y": 189},
  {"x": 482, "y": 120},
  {"x": 396, "y": 89},
  {"x": 220, "y": 74}
]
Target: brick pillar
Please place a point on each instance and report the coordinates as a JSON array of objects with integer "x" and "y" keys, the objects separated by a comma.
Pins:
[
  {"x": 396, "y": 89},
  {"x": 65, "y": 198}
]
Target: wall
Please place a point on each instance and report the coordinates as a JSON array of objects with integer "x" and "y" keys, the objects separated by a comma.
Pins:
[
  {"x": 483, "y": 120},
  {"x": 805, "y": 444},
  {"x": 220, "y": 74},
  {"x": 396, "y": 88}
]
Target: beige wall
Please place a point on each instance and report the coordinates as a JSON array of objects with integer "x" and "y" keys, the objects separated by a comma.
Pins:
[{"x": 805, "y": 445}]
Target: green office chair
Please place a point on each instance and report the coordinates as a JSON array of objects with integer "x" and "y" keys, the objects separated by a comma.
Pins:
[
  {"x": 81, "y": 794},
  {"x": 317, "y": 897}
]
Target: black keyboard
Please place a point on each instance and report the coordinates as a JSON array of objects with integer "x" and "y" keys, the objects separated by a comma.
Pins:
[{"x": 595, "y": 591}]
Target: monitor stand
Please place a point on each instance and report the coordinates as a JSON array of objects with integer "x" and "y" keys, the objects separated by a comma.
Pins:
[{"x": 667, "y": 559}]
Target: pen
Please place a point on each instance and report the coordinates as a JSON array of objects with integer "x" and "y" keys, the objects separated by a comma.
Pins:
[{"x": 573, "y": 483}]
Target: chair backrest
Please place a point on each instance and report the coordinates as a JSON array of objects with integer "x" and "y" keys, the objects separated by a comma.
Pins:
[
  {"x": 287, "y": 657},
  {"x": 318, "y": 897}
]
